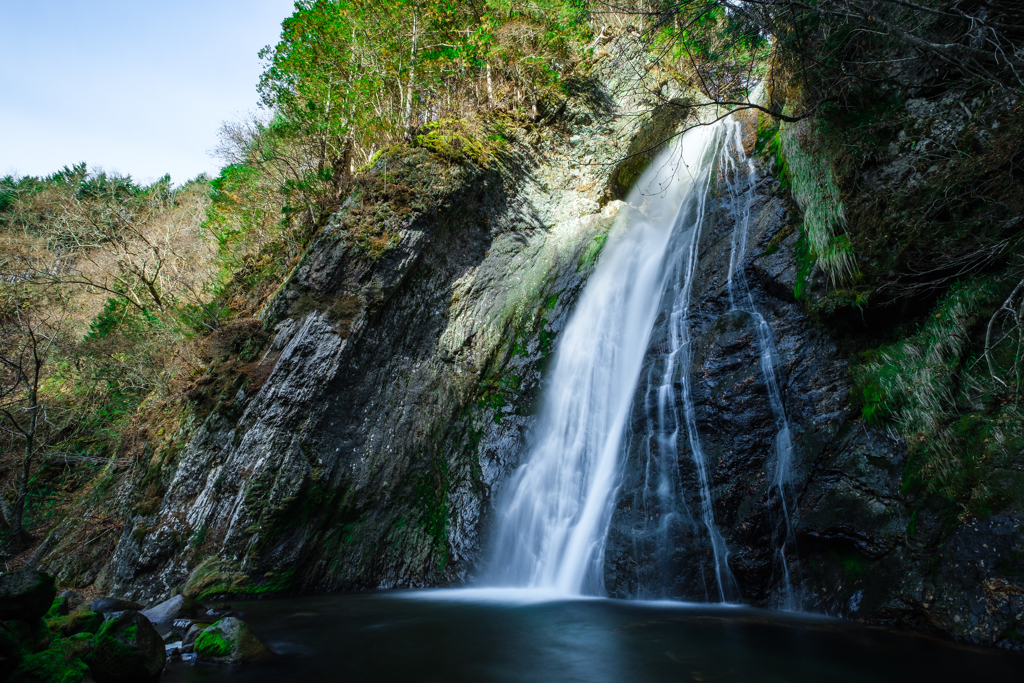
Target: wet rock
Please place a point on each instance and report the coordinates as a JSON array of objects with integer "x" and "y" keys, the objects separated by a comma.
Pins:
[
  {"x": 172, "y": 637},
  {"x": 128, "y": 649},
  {"x": 229, "y": 641},
  {"x": 178, "y": 607},
  {"x": 25, "y": 595},
  {"x": 659, "y": 544}
]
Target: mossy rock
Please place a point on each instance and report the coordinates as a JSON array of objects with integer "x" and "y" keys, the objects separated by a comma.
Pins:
[
  {"x": 60, "y": 608},
  {"x": 230, "y": 641},
  {"x": 79, "y": 622},
  {"x": 128, "y": 649},
  {"x": 25, "y": 595},
  {"x": 51, "y": 666}
]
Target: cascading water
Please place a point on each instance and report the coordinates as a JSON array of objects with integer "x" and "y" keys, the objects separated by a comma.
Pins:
[
  {"x": 671, "y": 418},
  {"x": 739, "y": 179},
  {"x": 554, "y": 515}
]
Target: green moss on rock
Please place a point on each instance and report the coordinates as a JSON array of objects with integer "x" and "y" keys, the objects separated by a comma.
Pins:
[
  {"x": 229, "y": 640},
  {"x": 51, "y": 666},
  {"x": 128, "y": 649},
  {"x": 211, "y": 643},
  {"x": 79, "y": 622}
]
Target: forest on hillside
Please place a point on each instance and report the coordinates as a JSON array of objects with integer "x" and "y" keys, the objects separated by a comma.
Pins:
[{"x": 125, "y": 305}]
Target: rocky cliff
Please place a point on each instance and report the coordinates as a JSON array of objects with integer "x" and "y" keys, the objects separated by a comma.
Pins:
[{"x": 354, "y": 436}]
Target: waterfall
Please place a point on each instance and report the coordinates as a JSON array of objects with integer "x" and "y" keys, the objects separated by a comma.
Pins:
[
  {"x": 739, "y": 178},
  {"x": 554, "y": 514}
]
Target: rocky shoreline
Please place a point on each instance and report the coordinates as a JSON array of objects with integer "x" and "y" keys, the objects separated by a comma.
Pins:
[{"x": 46, "y": 636}]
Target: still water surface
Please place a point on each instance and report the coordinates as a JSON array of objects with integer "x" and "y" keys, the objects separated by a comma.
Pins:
[{"x": 519, "y": 636}]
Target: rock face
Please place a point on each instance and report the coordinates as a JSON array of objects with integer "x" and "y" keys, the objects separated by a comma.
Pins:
[
  {"x": 855, "y": 545},
  {"x": 391, "y": 400}
]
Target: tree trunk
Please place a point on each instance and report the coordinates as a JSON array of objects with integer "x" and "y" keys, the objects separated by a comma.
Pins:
[
  {"x": 343, "y": 169},
  {"x": 18, "y": 512},
  {"x": 490, "y": 88},
  {"x": 412, "y": 74}
]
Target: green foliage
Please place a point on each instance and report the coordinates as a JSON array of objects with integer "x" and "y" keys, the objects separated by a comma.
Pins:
[
  {"x": 713, "y": 47},
  {"x": 815, "y": 190},
  {"x": 960, "y": 420},
  {"x": 454, "y": 141}
]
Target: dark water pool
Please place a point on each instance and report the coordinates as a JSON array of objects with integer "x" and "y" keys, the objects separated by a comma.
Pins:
[{"x": 481, "y": 636}]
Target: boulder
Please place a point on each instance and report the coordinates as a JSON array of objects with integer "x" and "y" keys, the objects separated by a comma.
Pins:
[
  {"x": 25, "y": 595},
  {"x": 193, "y": 631},
  {"x": 229, "y": 641},
  {"x": 111, "y": 605},
  {"x": 178, "y": 607},
  {"x": 74, "y": 598},
  {"x": 128, "y": 650}
]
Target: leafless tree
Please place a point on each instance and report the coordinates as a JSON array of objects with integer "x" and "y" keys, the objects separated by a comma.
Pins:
[{"x": 33, "y": 334}]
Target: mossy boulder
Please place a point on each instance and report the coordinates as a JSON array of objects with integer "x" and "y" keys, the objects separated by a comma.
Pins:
[
  {"x": 128, "y": 650},
  {"x": 54, "y": 665},
  {"x": 74, "y": 598},
  {"x": 78, "y": 622},
  {"x": 25, "y": 595},
  {"x": 230, "y": 641}
]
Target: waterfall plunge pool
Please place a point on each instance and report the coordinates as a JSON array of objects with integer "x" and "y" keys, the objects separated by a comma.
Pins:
[{"x": 508, "y": 635}]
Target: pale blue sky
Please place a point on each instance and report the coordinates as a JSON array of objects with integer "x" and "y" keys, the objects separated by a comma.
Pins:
[{"x": 136, "y": 86}]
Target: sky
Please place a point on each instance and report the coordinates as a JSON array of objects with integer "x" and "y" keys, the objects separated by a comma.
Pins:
[{"x": 135, "y": 86}]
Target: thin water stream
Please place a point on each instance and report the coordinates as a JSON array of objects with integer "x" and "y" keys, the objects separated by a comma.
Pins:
[{"x": 739, "y": 179}]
